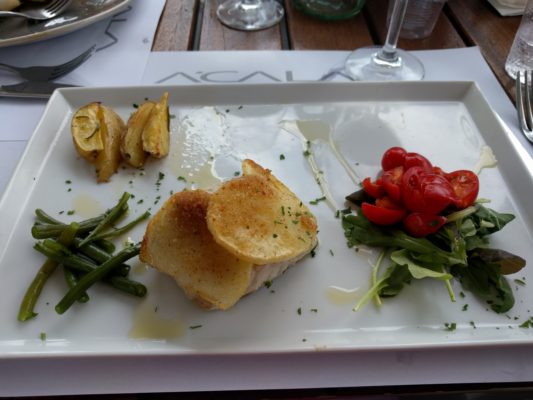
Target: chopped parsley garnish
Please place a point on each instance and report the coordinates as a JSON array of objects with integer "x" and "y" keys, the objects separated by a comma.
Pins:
[
  {"x": 267, "y": 284},
  {"x": 316, "y": 201},
  {"x": 299, "y": 310},
  {"x": 42, "y": 336},
  {"x": 527, "y": 323},
  {"x": 195, "y": 326},
  {"x": 450, "y": 326},
  {"x": 282, "y": 157}
]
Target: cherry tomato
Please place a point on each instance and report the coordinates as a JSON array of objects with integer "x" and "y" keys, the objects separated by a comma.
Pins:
[
  {"x": 373, "y": 189},
  {"x": 386, "y": 202},
  {"x": 438, "y": 171},
  {"x": 465, "y": 185},
  {"x": 417, "y": 160},
  {"x": 426, "y": 193},
  {"x": 420, "y": 224},
  {"x": 382, "y": 216},
  {"x": 437, "y": 193},
  {"x": 392, "y": 158},
  {"x": 392, "y": 181},
  {"x": 410, "y": 189}
]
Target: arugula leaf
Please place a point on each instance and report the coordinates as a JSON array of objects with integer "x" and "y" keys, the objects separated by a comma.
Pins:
[
  {"x": 359, "y": 230},
  {"x": 507, "y": 263},
  {"x": 488, "y": 221},
  {"x": 459, "y": 250},
  {"x": 485, "y": 280},
  {"x": 417, "y": 270}
]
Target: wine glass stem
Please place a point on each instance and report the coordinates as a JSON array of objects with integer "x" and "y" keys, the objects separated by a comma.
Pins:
[{"x": 388, "y": 53}]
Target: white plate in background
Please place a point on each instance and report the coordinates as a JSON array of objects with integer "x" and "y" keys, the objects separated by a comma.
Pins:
[{"x": 81, "y": 13}]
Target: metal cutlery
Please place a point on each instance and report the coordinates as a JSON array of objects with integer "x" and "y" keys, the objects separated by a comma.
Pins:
[
  {"x": 524, "y": 92},
  {"x": 35, "y": 90},
  {"x": 50, "y": 73},
  {"x": 39, "y": 12},
  {"x": 38, "y": 80}
]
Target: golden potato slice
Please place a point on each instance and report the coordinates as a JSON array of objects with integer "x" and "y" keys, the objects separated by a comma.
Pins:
[
  {"x": 177, "y": 242},
  {"x": 131, "y": 147},
  {"x": 112, "y": 130},
  {"x": 156, "y": 133},
  {"x": 257, "y": 218},
  {"x": 86, "y": 131}
]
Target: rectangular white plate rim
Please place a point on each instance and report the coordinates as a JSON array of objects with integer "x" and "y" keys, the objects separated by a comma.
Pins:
[{"x": 241, "y": 94}]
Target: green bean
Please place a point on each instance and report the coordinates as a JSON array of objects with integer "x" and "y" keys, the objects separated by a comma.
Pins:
[
  {"x": 96, "y": 253},
  {"x": 95, "y": 275},
  {"x": 72, "y": 279},
  {"x": 45, "y": 231},
  {"x": 109, "y": 218},
  {"x": 105, "y": 245},
  {"x": 49, "y": 227},
  {"x": 63, "y": 255},
  {"x": 123, "y": 229},
  {"x": 127, "y": 285},
  {"x": 49, "y": 266},
  {"x": 44, "y": 217}
]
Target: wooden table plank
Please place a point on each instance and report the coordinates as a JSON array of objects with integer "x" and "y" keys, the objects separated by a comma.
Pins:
[
  {"x": 216, "y": 36},
  {"x": 444, "y": 36},
  {"x": 175, "y": 31},
  {"x": 494, "y": 34},
  {"x": 308, "y": 33}
]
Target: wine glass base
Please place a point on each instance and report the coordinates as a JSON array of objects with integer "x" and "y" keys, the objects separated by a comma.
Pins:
[
  {"x": 261, "y": 14},
  {"x": 363, "y": 65}
]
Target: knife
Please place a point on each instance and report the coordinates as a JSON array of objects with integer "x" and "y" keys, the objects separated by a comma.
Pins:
[{"x": 36, "y": 90}]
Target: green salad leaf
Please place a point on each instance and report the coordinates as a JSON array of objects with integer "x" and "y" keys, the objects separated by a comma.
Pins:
[{"x": 459, "y": 250}]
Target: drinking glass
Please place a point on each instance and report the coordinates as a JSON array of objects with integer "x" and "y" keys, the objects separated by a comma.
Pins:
[
  {"x": 387, "y": 63},
  {"x": 250, "y": 15}
]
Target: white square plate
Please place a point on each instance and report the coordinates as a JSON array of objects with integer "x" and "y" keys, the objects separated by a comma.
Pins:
[{"x": 449, "y": 122}]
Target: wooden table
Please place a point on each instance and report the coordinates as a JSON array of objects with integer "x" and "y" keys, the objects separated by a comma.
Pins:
[{"x": 191, "y": 25}]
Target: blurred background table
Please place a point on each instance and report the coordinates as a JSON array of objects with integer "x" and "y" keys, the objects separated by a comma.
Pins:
[{"x": 192, "y": 25}]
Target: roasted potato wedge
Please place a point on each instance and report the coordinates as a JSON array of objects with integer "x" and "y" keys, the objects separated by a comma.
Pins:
[
  {"x": 131, "y": 147},
  {"x": 156, "y": 133},
  {"x": 108, "y": 160},
  {"x": 86, "y": 129}
]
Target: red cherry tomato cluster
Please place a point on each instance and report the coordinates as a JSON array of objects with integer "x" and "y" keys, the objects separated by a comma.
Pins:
[{"x": 412, "y": 191}]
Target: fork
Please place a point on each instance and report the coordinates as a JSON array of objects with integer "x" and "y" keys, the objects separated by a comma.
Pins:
[
  {"x": 50, "y": 73},
  {"x": 38, "y": 12},
  {"x": 523, "y": 103}
]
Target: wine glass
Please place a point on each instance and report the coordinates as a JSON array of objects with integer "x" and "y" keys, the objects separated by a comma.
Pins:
[
  {"x": 250, "y": 15},
  {"x": 387, "y": 63}
]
